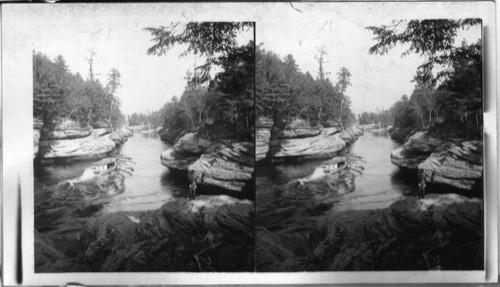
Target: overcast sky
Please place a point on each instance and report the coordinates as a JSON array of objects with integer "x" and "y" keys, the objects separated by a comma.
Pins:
[
  {"x": 377, "y": 81},
  {"x": 117, "y": 37}
]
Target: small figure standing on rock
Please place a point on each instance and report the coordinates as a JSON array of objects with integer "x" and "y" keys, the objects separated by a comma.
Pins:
[
  {"x": 421, "y": 184},
  {"x": 192, "y": 186}
]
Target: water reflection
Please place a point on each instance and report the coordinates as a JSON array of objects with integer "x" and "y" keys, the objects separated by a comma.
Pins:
[{"x": 370, "y": 181}]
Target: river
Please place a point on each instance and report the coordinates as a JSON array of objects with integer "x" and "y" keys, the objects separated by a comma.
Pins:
[
  {"x": 371, "y": 182},
  {"x": 136, "y": 217},
  {"x": 147, "y": 185}
]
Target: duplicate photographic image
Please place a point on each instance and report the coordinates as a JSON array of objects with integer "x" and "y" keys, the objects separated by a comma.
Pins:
[
  {"x": 143, "y": 144},
  {"x": 369, "y": 145}
]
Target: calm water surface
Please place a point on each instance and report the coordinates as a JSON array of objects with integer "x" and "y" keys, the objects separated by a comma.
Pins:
[
  {"x": 148, "y": 184},
  {"x": 371, "y": 181}
]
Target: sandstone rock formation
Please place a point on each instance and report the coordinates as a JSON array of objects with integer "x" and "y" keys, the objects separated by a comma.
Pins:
[
  {"x": 439, "y": 232},
  {"x": 202, "y": 235},
  {"x": 457, "y": 165},
  {"x": 229, "y": 167},
  {"x": 185, "y": 152},
  {"x": 66, "y": 129},
  {"x": 215, "y": 164},
  {"x": 69, "y": 140},
  {"x": 415, "y": 151},
  {"x": 300, "y": 140}
]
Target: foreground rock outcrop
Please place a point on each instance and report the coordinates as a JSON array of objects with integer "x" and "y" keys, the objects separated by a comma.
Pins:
[
  {"x": 415, "y": 151},
  {"x": 439, "y": 232},
  {"x": 202, "y": 235},
  {"x": 69, "y": 140},
  {"x": 223, "y": 165},
  {"x": 300, "y": 140},
  {"x": 209, "y": 234},
  {"x": 456, "y": 165}
]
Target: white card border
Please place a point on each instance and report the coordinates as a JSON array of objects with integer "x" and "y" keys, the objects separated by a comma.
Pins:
[{"x": 18, "y": 168}]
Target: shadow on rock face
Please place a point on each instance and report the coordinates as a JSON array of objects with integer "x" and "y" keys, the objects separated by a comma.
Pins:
[
  {"x": 207, "y": 234},
  {"x": 439, "y": 232}
]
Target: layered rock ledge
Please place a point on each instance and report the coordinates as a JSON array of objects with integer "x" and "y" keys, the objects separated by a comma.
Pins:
[
  {"x": 439, "y": 232},
  {"x": 67, "y": 139},
  {"x": 224, "y": 165},
  {"x": 415, "y": 151},
  {"x": 209, "y": 234},
  {"x": 456, "y": 165},
  {"x": 300, "y": 140}
]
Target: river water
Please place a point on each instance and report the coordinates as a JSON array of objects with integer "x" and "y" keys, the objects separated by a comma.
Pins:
[
  {"x": 146, "y": 185},
  {"x": 371, "y": 181}
]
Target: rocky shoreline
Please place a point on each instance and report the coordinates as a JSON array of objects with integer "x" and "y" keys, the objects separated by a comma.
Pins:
[
  {"x": 441, "y": 232},
  {"x": 208, "y": 234},
  {"x": 68, "y": 140},
  {"x": 218, "y": 165},
  {"x": 300, "y": 140},
  {"x": 451, "y": 164}
]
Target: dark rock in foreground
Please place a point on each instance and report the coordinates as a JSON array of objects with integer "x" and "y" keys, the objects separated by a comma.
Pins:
[
  {"x": 438, "y": 232},
  {"x": 181, "y": 236}
]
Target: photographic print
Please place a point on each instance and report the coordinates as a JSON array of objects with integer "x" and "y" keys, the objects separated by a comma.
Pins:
[
  {"x": 143, "y": 152},
  {"x": 369, "y": 145},
  {"x": 249, "y": 143}
]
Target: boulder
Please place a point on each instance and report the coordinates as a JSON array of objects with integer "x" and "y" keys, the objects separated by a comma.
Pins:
[
  {"x": 185, "y": 152},
  {"x": 457, "y": 165},
  {"x": 66, "y": 129},
  {"x": 415, "y": 151},
  {"x": 228, "y": 167}
]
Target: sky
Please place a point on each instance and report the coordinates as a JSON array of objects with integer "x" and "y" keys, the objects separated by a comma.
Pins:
[
  {"x": 119, "y": 41},
  {"x": 377, "y": 81},
  {"x": 116, "y": 35}
]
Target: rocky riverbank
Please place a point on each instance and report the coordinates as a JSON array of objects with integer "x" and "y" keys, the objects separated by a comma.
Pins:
[
  {"x": 77, "y": 228},
  {"x": 440, "y": 232},
  {"x": 453, "y": 164},
  {"x": 215, "y": 165},
  {"x": 212, "y": 233},
  {"x": 69, "y": 140},
  {"x": 300, "y": 140}
]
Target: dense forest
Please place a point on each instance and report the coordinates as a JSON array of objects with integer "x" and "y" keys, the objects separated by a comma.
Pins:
[
  {"x": 447, "y": 99},
  {"x": 59, "y": 94},
  {"x": 154, "y": 119},
  {"x": 383, "y": 117},
  {"x": 285, "y": 93},
  {"x": 216, "y": 105}
]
